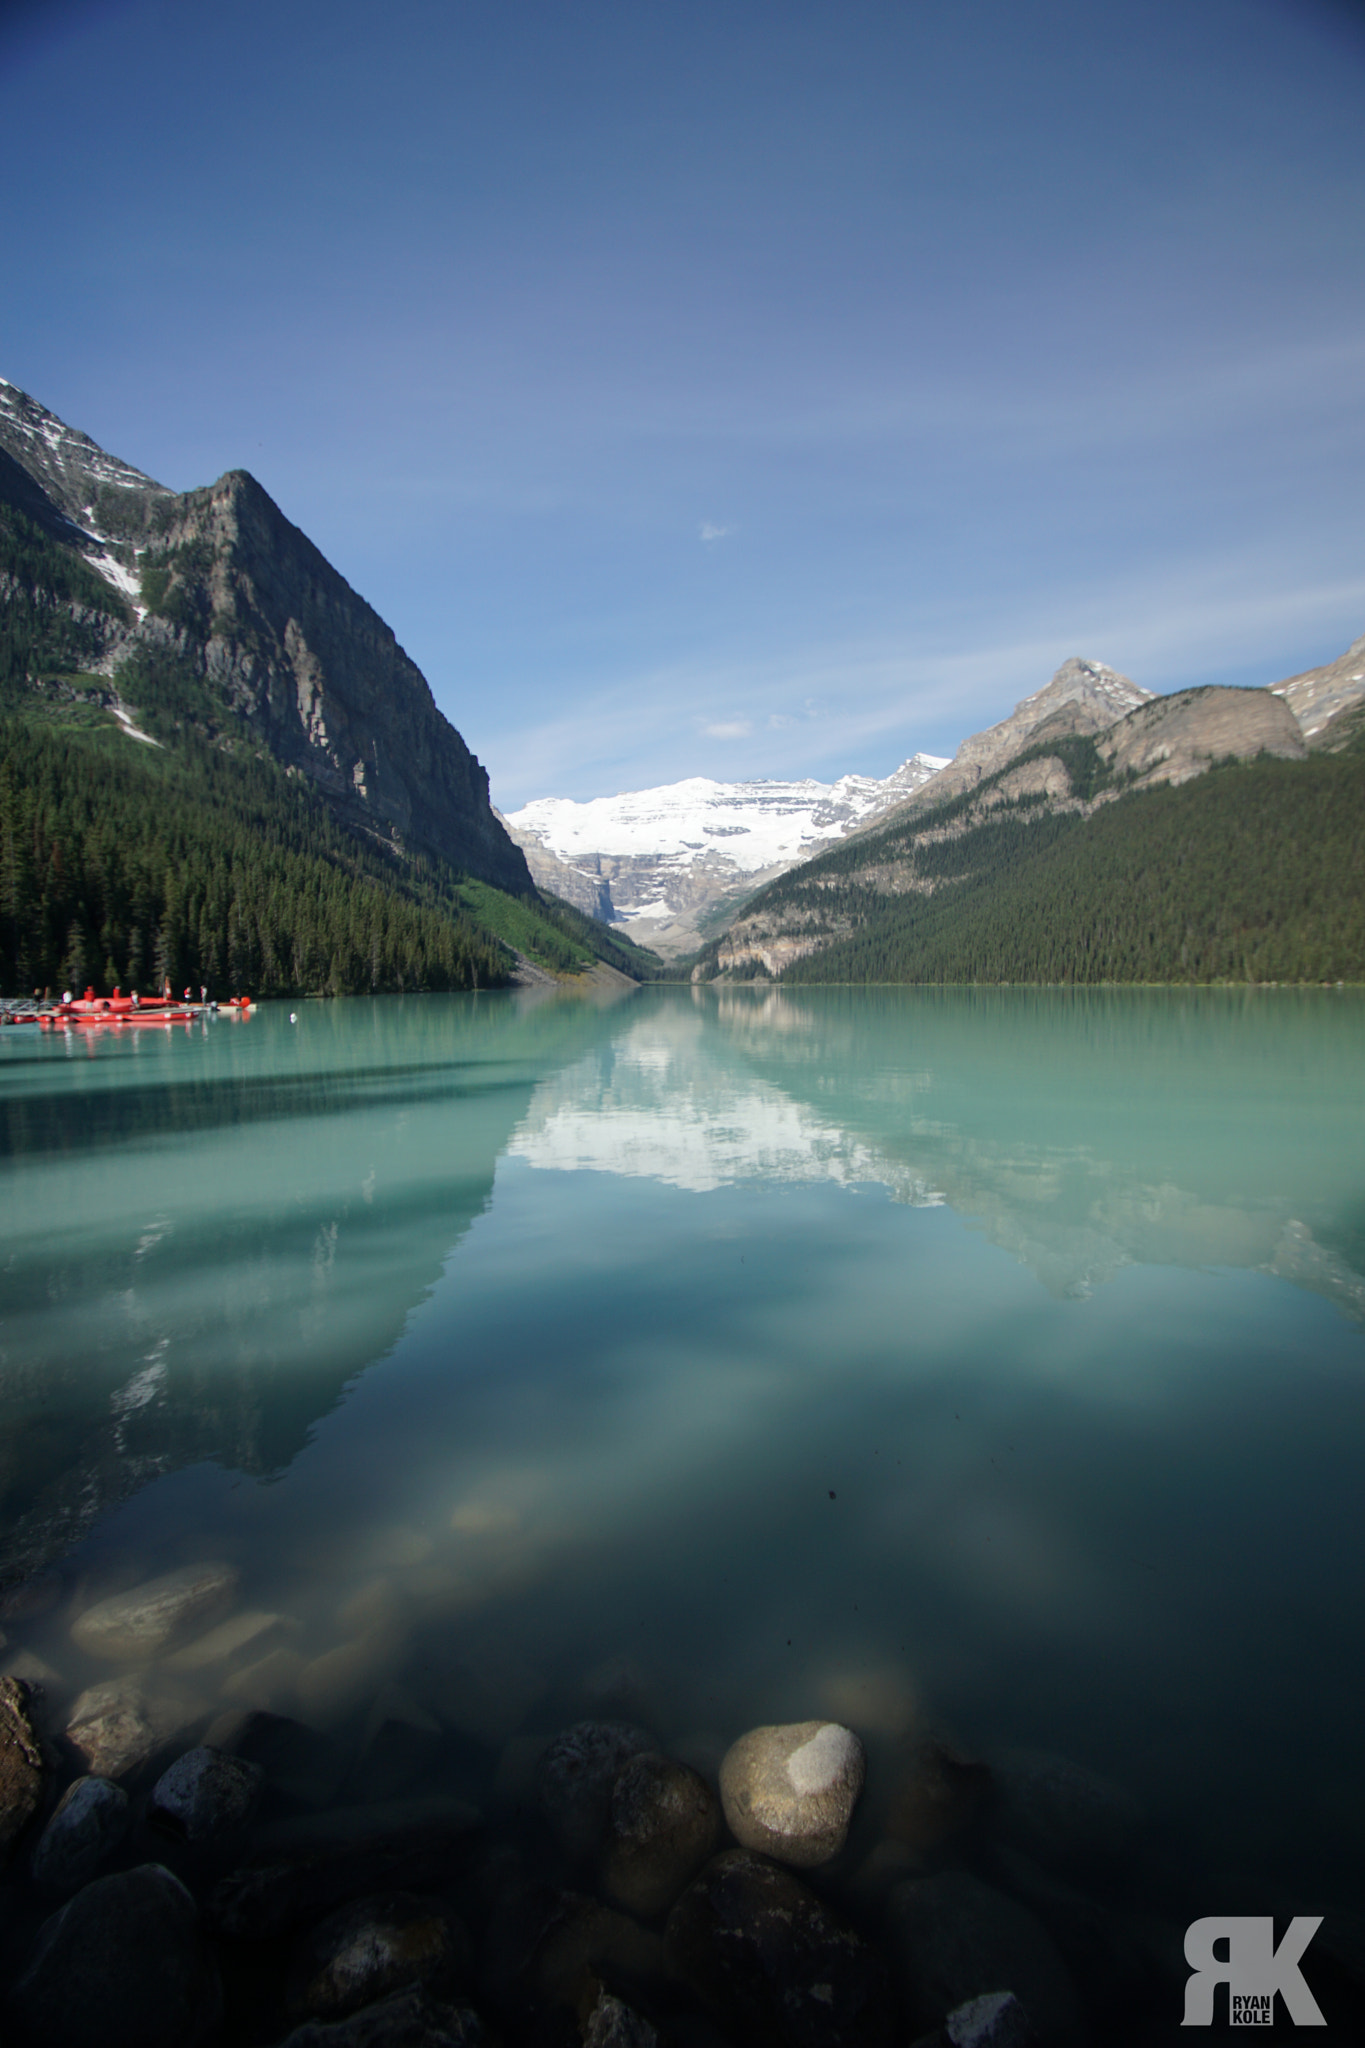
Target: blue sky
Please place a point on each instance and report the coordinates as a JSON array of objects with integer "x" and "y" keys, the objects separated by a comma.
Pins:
[{"x": 727, "y": 389}]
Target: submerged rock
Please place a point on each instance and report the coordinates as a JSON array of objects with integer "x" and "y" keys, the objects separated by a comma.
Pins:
[
  {"x": 936, "y": 1796},
  {"x": 90, "y": 1821},
  {"x": 409, "y": 2019},
  {"x": 252, "y": 1631},
  {"x": 342, "y": 1679},
  {"x": 789, "y": 1791},
  {"x": 205, "y": 1796},
  {"x": 302, "y": 1766},
  {"x": 34, "y": 1670},
  {"x": 1065, "y": 1816},
  {"x": 614, "y": 2024},
  {"x": 575, "y": 1778},
  {"x": 403, "y": 1750},
  {"x": 373, "y": 1948},
  {"x": 662, "y": 1825},
  {"x": 567, "y": 1942},
  {"x": 23, "y": 1765},
  {"x": 269, "y": 1683},
  {"x": 136, "y": 1626},
  {"x": 116, "y": 1728},
  {"x": 303, "y": 1868},
  {"x": 958, "y": 1939},
  {"x": 772, "y": 1965},
  {"x": 122, "y": 1965},
  {"x": 996, "y": 2020},
  {"x": 31, "y": 1598}
]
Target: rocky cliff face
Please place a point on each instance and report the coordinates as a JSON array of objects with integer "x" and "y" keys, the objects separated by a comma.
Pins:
[
  {"x": 579, "y": 882},
  {"x": 219, "y": 583},
  {"x": 316, "y": 671},
  {"x": 1171, "y": 739},
  {"x": 1141, "y": 740},
  {"x": 1321, "y": 694},
  {"x": 1083, "y": 697}
]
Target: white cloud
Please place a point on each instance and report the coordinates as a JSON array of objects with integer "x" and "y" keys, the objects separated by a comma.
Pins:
[
  {"x": 729, "y": 729},
  {"x": 709, "y": 532}
]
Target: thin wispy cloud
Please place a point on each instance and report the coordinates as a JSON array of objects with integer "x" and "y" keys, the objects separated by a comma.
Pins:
[
  {"x": 711, "y": 533},
  {"x": 864, "y": 705}
]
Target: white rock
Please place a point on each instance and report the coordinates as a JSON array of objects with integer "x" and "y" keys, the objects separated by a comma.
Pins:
[{"x": 789, "y": 1791}]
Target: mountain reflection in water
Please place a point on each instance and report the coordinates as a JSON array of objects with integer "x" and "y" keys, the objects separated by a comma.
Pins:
[
  {"x": 987, "y": 1357},
  {"x": 1082, "y": 1131},
  {"x": 207, "y": 1241}
]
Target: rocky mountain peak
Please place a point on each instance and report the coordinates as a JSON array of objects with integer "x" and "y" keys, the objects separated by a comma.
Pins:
[
  {"x": 1079, "y": 681},
  {"x": 228, "y": 611},
  {"x": 1320, "y": 694},
  {"x": 1084, "y": 696},
  {"x": 72, "y": 469}
]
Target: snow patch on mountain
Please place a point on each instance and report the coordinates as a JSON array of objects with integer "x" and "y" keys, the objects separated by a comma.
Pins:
[
  {"x": 58, "y": 454},
  {"x": 661, "y": 860},
  {"x": 125, "y": 582},
  {"x": 749, "y": 826}
]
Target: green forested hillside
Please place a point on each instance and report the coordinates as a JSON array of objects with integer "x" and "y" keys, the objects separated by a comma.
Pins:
[
  {"x": 201, "y": 859},
  {"x": 126, "y": 863},
  {"x": 1253, "y": 871},
  {"x": 121, "y": 863},
  {"x": 55, "y": 611}
]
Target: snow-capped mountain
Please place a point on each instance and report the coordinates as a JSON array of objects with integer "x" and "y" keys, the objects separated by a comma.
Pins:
[{"x": 658, "y": 860}]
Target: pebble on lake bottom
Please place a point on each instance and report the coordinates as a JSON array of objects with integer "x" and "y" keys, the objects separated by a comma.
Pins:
[
  {"x": 139, "y": 1624},
  {"x": 121, "y": 1965},
  {"x": 789, "y": 1791},
  {"x": 936, "y": 1795},
  {"x": 252, "y": 1631},
  {"x": 408, "y": 2019},
  {"x": 341, "y": 1680},
  {"x": 23, "y": 1764},
  {"x": 957, "y": 1938},
  {"x": 205, "y": 1796},
  {"x": 116, "y": 1728},
  {"x": 269, "y": 1684},
  {"x": 614, "y": 2024},
  {"x": 663, "y": 1824},
  {"x": 374, "y": 1947},
  {"x": 576, "y": 1776},
  {"x": 88, "y": 1823},
  {"x": 772, "y": 1965}
]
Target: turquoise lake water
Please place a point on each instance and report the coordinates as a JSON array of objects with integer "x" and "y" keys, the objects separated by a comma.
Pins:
[{"x": 990, "y": 1361}]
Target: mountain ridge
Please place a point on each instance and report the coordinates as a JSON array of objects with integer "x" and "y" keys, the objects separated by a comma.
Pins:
[
  {"x": 216, "y": 586},
  {"x": 993, "y": 870}
]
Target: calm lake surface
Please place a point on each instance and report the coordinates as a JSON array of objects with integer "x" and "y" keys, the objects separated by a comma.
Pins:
[{"x": 725, "y": 1357}]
